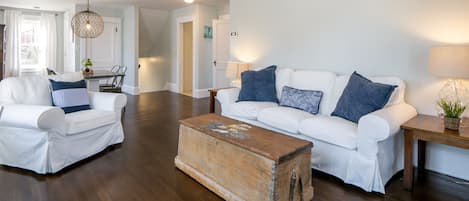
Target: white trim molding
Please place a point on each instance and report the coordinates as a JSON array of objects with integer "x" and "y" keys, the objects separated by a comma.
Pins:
[
  {"x": 130, "y": 89},
  {"x": 172, "y": 87},
  {"x": 201, "y": 93},
  {"x": 195, "y": 52}
]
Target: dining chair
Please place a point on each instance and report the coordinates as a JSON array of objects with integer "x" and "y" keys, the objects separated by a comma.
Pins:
[
  {"x": 110, "y": 82},
  {"x": 116, "y": 85}
]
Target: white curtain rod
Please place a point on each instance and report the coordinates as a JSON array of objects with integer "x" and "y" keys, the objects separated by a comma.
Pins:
[{"x": 29, "y": 10}]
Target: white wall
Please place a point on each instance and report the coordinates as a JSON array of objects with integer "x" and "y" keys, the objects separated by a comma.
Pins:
[
  {"x": 2, "y": 15},
  {"x": 206, "y": 15},
  {"x": 130, "y": 49},
  {"x": 153, "y": 50},
  {"x": 203, "y": 15},
  {"x": 389, "y": 37},
  {"x": 189, "y": 11}
]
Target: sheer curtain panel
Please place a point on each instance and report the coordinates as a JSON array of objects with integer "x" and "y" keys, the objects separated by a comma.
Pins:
[
  {"x": 12, "y": 20},
  {"x": 49, "y": 34}
]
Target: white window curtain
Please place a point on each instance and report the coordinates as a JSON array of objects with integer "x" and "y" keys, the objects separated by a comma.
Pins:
[
  {"x": 12, "y": 20},
  {"x": 49, "y": 34}
]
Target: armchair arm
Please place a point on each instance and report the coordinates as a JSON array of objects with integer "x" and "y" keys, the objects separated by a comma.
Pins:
[
  {"x": 32, "y": 116},
  {"x": 383, "y": 123},
  {"x": 107, "y": 101},
  {"x": 226, "y": 97}
]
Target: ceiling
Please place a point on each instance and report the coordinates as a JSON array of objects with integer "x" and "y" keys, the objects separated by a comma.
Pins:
[{"x": 62, "y": 5}]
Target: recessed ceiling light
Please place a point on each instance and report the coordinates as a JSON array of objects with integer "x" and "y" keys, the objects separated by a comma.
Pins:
[{"x": 189, "y": 1}]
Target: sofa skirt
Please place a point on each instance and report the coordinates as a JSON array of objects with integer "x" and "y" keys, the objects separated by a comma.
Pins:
[
  {"x": 49, "y": 151},
  {"x": 369, "y": 173}
]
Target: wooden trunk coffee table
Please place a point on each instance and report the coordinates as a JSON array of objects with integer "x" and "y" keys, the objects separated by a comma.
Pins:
[{"x": 238, "y": 161}]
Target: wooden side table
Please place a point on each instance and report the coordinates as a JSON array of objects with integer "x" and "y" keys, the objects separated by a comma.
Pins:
[
  {"x": 213, "y": 94},
  {"x": 425, "y": 129}
]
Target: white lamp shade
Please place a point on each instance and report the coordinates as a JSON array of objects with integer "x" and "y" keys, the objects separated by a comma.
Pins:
[
  {"x": 234, "y": 69},
  {"x": 449, "y": 61}
]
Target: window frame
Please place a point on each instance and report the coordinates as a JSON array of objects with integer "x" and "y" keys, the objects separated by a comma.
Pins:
[{"x": 36, "y": 37}]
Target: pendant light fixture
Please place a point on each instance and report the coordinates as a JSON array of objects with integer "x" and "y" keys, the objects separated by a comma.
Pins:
[{"x": 87, "y": 24}]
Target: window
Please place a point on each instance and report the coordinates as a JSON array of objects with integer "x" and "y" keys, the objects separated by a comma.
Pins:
[{"x": 30, "y": 44}]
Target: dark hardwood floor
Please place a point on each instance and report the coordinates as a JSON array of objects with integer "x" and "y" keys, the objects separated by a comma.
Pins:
[{"x": 142, "y": 167}]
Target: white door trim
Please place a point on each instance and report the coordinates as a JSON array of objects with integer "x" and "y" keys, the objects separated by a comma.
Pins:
[
  {"x": 195, "y": 53},
  {"x": 118, "y": 59}
]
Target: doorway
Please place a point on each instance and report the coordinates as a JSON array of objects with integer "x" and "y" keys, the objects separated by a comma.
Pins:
[
  {"x": 186, "y": 56},
  {"x": 187, "y": 61}
]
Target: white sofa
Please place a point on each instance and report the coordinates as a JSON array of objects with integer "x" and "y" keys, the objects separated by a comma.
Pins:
[
  {"x": 366, "y": 154},
  {"x": 37, "y": 136}
]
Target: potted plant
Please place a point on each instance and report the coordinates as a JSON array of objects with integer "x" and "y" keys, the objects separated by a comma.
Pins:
[
  {"x": 452, "y": 111},
  {"x": 87, "y": 63}
]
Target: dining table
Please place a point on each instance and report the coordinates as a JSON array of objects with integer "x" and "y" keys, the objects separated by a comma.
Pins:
[{"x": 93, "y": 79}]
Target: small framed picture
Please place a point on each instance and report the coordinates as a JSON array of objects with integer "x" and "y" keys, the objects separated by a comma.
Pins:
[{"x": 208, "y": 32}]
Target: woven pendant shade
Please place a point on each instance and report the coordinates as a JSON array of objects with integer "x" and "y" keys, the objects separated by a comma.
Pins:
[{"x": 87, "y": 24}]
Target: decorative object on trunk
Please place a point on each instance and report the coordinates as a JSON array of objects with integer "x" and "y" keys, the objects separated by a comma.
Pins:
[{"x": 452, "y": 111}]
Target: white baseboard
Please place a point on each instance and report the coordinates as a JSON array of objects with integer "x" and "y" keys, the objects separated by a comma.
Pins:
[
  {"x": 198, "y": 93},
  {"x": 171, "y": 87},
  {"x": 151, "y": 90},
  {"x": 130, "y": 89},
  {"x": 201, "y": 93}
]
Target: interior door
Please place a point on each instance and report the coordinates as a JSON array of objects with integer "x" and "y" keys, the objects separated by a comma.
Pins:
[
  {"x": 105, "y": 50},
  {"x": 221, "y": 52}
]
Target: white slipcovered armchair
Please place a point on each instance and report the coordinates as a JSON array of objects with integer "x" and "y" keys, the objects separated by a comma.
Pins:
[{"x": 37, "y": 136}]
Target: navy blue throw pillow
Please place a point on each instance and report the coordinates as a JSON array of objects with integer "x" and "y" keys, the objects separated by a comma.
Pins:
[
  {"x": 362, "y": 96},
  {"x": 70, "y": 96},
  {"x": 258, "y": 85},
  {"x": 306, "y": 100}
]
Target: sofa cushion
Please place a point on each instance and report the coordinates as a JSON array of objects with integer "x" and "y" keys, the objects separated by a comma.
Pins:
[
  {"x": 362, "y": 96},
  {"x": 249, "y": 109},
  {"x": 283, "y": 118},
  {"x": 317, "y": 81},
  {"x": 86, "y": 120},
  {"x": 258, "y": 85},
  {"x": 306, "y": 100},
  {"x": 397, "y": 96},
  {"x": 28, "y": 90},
  {"x": 70, "y": 96},
  {"x": 333, "y": 130}
]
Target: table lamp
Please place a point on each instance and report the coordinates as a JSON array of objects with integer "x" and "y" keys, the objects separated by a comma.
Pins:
[
  {"x": 451, "y": 62},
  {"x": 234, "y": 70}
]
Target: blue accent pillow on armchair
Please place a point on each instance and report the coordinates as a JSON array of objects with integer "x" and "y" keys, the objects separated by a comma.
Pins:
[
  {"x": 70, "y": 96},
  {"x": 258, "y": 85},
  {"x": 306, "y": 100},
  {"x": 362, "y": 96}
]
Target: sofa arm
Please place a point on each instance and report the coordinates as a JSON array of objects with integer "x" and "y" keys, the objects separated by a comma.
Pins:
[
  {"x": 381, "y": 124},
  {"x": 107, "y": 101},
  {"x": 32, "y": 116},
  {"x": 226, "y": 97}
]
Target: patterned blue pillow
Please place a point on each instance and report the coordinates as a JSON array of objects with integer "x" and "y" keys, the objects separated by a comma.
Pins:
[
  {"x": 70, "y": 96},
  {"x": 306, "y": 100}
]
